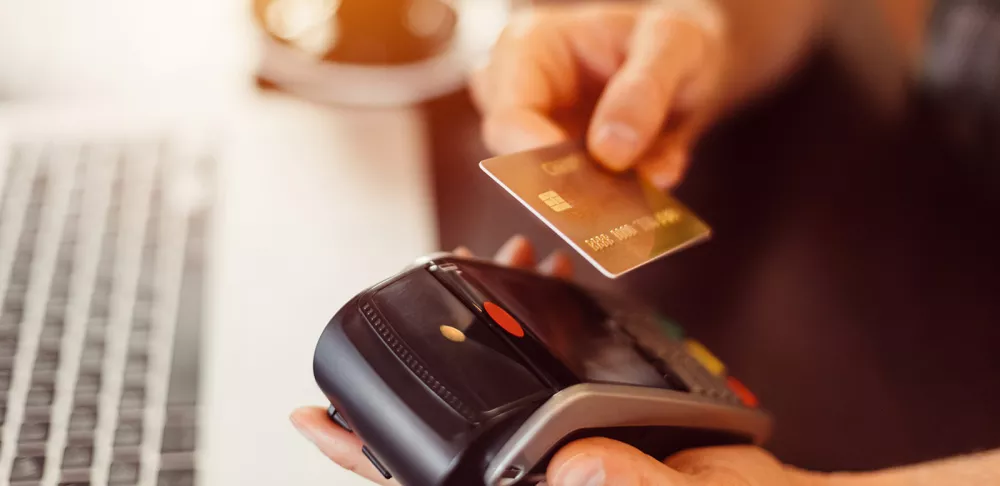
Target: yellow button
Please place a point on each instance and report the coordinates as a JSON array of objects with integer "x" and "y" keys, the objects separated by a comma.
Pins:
[{"x": 705, "y": 357}]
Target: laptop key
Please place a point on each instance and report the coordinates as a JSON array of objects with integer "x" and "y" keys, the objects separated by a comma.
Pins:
[
  {"x": 47, "y": 359},
  {"x": 27, "y": 468},
  {"x": 122, "y": 472},
  {"x": 9, "y": 323},
  {"x": 88, "y": 381},
  {"x": 83, "y": 419},
  {"x": 8, "y": 345},
  {"x": 78, "y": 455},
  {"x": 133, "y": 396},
  {"x": 34, "y": 431},
  {"x": 178, "y": 439},
  {"x": 40, "y": 395},
  {"x": 136, "y": 364},
  {"x": 51, "y": 335},
  {"x": 175, "y": 478},
  {"x": 13, "y": 304},
  {"x": 75, "y": 477},
  {"x": 129, "y": 432}
]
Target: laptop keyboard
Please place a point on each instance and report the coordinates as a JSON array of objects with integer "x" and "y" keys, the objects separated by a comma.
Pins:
[{"x": 101, "y": 264}]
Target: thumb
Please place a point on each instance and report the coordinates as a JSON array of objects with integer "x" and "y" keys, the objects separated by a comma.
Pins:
[
  {"x": 666, "y": 57},
  {"x": 600, "y": 462},
  {"x": 736, "y": 465}
]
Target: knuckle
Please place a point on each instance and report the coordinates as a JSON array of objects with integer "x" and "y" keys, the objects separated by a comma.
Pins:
[
  {"x": 670, "y": 21},
  {"x": 526, "y": 24},
  {"x": 695, "y": 16}
]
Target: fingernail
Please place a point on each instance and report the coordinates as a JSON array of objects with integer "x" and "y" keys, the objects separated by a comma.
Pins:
[
  {"x": 509, "y": 249},
  {"x": 616, "y": 144},
  {"x": 580, "y": 470}
]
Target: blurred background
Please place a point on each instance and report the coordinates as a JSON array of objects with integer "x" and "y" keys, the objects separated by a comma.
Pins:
[{"x": 852, "y": 280}]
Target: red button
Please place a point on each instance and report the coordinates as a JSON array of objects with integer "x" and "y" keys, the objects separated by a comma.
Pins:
[
  {"x": 503, "y": 319},
  {"x": 741, "y": 391}
]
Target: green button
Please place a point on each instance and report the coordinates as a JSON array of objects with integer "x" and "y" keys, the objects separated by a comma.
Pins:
[{"x": 673, "y": 331}]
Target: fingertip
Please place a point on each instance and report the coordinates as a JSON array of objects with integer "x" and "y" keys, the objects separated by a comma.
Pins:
[
  {"x": 614, "y": 144},
  {"x": 557, "y": 264},
  {"x": 516, "y": 252},
  {"x": 463, "y": 252},
  {"x": 305, "y": 416},
  {"x": 666, "y": 171}
]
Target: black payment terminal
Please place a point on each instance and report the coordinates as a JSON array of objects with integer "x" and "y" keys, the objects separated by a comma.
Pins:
[{"x": 460, "y": 372}]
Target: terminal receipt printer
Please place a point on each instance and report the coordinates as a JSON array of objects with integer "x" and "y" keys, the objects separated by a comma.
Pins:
[{"x": 461, "y": 372}]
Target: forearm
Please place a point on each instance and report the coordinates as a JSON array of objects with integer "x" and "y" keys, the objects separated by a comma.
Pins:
[{"x": 972, "y": 470}]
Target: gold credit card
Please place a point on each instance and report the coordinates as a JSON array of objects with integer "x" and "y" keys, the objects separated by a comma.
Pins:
[{"x": 618, "y": 222}]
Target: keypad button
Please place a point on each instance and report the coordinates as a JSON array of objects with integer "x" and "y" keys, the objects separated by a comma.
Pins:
[
  {"x": 670, "y": 328},
  {"x": 742, "y": 393},
  {"x": 705, "y": 357}
]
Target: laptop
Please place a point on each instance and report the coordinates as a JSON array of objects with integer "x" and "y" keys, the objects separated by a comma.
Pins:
[{"x": 166, "y": 269}]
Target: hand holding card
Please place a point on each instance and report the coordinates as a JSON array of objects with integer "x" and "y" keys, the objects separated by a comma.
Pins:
[{"x": 617, "y": 221}]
